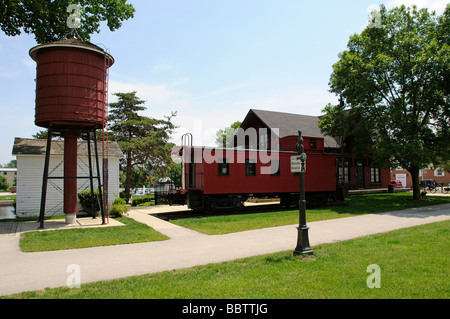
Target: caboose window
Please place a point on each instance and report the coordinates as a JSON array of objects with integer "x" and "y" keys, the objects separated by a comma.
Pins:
[
  {"x": 313, "y": 143},
  {"x": 250, "y": 167},
  {"x": 224, "y": 167}
]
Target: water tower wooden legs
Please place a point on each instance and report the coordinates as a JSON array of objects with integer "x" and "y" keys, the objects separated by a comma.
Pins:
[{"x": 70, "y": 176}]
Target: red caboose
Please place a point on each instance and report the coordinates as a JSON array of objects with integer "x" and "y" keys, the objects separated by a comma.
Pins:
[{"x": 225, "y": 178}]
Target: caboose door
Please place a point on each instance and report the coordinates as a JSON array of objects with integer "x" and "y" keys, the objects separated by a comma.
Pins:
[{"x": 191, "y": 170}]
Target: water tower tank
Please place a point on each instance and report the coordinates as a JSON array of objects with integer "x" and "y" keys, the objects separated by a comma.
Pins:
[{"x": 70, "y": 84}]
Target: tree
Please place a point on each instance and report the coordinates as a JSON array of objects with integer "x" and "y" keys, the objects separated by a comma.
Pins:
[
  {"x": 11, "y": 164},
  {"x": 4, "y": 185},
  {"x": 47, "y": 20},
  {"x": 395, "y": 77},
  {"x": 225, "y": 137},
  {"x": 143, "y": 140},
  {"x": 43, "y": 135}
]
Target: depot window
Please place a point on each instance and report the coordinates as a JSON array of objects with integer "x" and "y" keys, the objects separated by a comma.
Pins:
[
  {"x": 375, "y": 174},
  {"x": 224, "y": 167},
  {"x": 343, "y": 176}
]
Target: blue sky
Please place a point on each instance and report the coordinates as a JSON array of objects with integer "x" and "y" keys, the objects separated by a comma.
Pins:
[{"x": 209, "y": 60}]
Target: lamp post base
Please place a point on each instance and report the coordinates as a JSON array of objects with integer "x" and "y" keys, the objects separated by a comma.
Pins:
[{"x": 303, "y": 247}]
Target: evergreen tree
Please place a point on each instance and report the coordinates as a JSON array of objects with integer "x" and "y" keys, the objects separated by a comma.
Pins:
[{"x": 143, "y": 140}]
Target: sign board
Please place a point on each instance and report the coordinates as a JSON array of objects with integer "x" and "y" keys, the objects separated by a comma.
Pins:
[
  {"x": 298, "y": 163},
  {"x": 401, "y": 178}
]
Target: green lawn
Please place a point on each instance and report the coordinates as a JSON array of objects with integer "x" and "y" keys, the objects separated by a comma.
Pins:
[
  {"x": 132, "y": 232},
  {"x": 8, "y": 197},
  {"x": 414, "y": 263},
  {"x": 353, "y": 206}
]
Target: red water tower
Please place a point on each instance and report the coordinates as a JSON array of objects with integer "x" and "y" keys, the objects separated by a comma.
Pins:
[{"x": 71, "y": 95}]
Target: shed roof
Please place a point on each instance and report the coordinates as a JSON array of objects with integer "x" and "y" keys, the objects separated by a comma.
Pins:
[
  {"x": 289, "y": 124},
  {"x": 27, "y": 146}
]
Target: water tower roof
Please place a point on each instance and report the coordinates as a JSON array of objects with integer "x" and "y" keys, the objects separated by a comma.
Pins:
[{"x": 73, "y": 43}]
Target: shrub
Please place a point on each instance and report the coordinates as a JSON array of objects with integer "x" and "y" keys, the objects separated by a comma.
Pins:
[
  {"x": 4, "y": 185},
  {"x": 118, "y": 209},
  {"x": 85, "y": 198},
  {"x": 140, "y": 200},
  {"x": 120, "y": 200}
]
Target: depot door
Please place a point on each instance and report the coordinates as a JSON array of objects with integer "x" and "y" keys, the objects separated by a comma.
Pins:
[{"x": 360, "y": 180}]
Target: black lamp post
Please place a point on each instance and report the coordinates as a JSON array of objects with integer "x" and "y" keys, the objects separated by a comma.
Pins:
[{"x": 303, "y": 239}]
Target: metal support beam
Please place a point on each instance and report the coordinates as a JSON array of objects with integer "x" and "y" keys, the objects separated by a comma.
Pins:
[
  {"x": 45, "y": 177},
  {"x": 91, "y": 179},
  {"x": 99, "y": 182}
]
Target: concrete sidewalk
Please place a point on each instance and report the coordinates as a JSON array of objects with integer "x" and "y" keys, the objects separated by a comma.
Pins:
[{"x": 186, "y": 248}]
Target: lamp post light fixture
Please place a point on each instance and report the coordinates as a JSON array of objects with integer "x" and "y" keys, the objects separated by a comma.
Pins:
[{"x": 303, "y": 247}]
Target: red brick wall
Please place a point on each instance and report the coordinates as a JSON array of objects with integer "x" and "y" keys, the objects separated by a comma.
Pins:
[{"x": 425, "y": 174}]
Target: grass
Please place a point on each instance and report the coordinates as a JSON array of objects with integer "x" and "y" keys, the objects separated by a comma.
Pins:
[
  {"x": 414, "y": 264},
  {"x": 8, "y": 197},
  {"x": 353, "y": 206},
  {"x": 132, "y": 232}
]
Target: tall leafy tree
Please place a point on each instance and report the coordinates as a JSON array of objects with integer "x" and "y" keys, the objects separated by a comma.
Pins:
[
  {"x": 143, "y": 140},
  {"x": 395, "y": 77},
  {"x": 225, "y": 137},
  {"x": 47, "y": 20}
]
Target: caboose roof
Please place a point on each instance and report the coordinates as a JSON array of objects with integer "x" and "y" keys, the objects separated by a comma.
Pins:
[{"x": 288, "y": 124}]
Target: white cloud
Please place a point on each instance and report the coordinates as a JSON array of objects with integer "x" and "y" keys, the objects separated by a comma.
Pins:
[
  {"x": 432, "y": 5},
  {"x": 204, "y": 125},
  {"x": 306, "y": 101},
  {"x": 150, "y": 93}
]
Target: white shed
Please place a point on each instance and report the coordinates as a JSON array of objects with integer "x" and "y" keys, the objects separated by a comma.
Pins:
[{"x": 30, "y": 155}]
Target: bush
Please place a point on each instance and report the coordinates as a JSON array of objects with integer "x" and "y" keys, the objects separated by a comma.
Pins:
[
  {"x": 85, "y": 198},
  {"x": 4, "y": 185},
  {"x": 140, "y": 200},
  {"x": 118, "y": 209},
  {"x": 119, "y": 200}
]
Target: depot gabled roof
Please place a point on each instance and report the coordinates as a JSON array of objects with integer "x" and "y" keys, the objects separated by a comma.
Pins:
[{"x": 288, "y": 124}]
